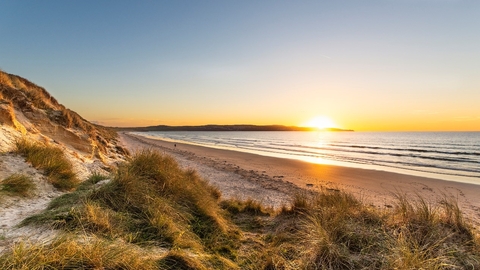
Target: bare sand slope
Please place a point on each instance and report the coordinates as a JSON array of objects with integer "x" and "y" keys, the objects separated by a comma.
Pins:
[
  {"x": 15, "y": 209},
  {"x": 274, "y": 180}
]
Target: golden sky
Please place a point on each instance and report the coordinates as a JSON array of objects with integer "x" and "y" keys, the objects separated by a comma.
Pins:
[{"x": 367, "y": 65}]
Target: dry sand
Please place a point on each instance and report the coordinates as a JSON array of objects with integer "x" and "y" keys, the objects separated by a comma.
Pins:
[
  {"x": 273, "y": 181},
  {"x": 15, "y": 209}
]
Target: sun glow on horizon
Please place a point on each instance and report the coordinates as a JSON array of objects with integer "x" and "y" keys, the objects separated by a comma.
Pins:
[{"x": 321, "y": 122}]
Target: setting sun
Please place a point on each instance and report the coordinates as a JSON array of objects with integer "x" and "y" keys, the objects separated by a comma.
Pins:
[{"x": 321, "y": 122}]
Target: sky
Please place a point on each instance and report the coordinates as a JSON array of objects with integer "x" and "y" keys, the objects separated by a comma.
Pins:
[{"x": 370, "y": 65}]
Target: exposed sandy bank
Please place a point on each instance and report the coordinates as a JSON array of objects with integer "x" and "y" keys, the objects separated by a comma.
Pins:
[
  {"x": 15, "y": 209},
  {"x": 273, "y": 180}
]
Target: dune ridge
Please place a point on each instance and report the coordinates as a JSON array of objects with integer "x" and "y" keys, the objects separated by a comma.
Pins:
[{"x": 29, "y": 113}]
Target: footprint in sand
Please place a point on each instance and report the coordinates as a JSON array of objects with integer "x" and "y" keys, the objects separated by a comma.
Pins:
[
  {"x": 424, "y": 187},
  {"x": 459, "y": 191}
]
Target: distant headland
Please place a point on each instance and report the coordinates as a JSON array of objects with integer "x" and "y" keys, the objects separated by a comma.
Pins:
[{"x": 229, "y": 128}]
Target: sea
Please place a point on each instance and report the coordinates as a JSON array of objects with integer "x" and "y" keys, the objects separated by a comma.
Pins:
[{"x": 453, "y": 156}]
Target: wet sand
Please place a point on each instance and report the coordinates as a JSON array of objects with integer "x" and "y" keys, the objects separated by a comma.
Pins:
[{"x": 273, "y": 181}]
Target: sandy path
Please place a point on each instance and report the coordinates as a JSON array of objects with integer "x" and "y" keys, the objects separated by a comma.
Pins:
[
  {"x": 243, "y": 175},
  {"x": 16, "y": 209}
]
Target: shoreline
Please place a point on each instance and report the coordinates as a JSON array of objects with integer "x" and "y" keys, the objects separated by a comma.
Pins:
[
  {"x": 288, "y": 176},
  {"x": 412, "y": 171}
]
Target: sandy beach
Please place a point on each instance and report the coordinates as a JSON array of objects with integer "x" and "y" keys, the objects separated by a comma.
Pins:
[{"x": 273, "y": 181}]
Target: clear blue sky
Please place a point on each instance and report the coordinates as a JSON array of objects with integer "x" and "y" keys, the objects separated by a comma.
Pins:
[{"x": 368, "y": 65}]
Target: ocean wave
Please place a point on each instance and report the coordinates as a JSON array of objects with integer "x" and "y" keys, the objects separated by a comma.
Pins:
[
  {"x": 439, "y": 158},
  {"x": 474, "y": 153}
]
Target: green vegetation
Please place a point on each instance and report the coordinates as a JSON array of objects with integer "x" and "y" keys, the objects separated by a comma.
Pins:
[
  {"x": 18, "y": 184},
  {"x": 154, "y": 215},
  {"x": 58, "y": 209},
  {"x": 51, "y": 160}
]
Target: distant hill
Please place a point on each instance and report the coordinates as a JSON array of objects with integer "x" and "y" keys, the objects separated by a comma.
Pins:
[{"x": 228, "y": 128}]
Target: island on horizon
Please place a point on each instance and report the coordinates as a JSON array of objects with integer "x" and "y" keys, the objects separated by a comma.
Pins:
[{"x": 229, "y": 128}]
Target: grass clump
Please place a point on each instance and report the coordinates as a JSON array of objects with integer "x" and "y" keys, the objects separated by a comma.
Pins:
[
  {"x": 72, "y": 253},
  {"x": 180, "y": 261},
  {"x": 151, "y": 201},
  {"x": 334, "y": 230},
  {"x": 337, "y": 231},
  {"x": 59, "y": 209},
  {"x": 249, "y": 206},
  {"x": 18, "y": 184},
  {"x": 431, "y": 236},
  {"x": 51, "y": 160}
]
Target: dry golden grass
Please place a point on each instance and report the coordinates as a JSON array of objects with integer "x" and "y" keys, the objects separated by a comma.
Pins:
[
  {"x": 435, "y": 236},
  {"x": 11, "y": 84},
  {"x": 336, "y": 231},
  {"x": 180, "y": 260},
  {"x": 73, "y": 253},
  {"x": 18, "y": 184},
  {"x": 151, "y": 202},
  {"x": 249, "y": 206},
  {"x": 7, "y": 114},
  {"x": 5, "y": 79},
  {"x": 51, "y": 160}
]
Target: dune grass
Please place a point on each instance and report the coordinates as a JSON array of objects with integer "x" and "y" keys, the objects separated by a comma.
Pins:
[
  {"x": 58, "y": 210},
  {"x": 68, "y": 252},
  {"x": 432, "y": 236},
  {"x": 51, "y": 160},
  {"x": 180, "y": 260},
  {"x": 337, "y": 231},
  {"x": 5, "y": 79},
  {"x": 235, "y": 206},
  {"x": 151, "y": 203},
  {"x": 162, "y": 204},
  {"x": 38, "y": 96},
  {"x": 18, "y": 185}
]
